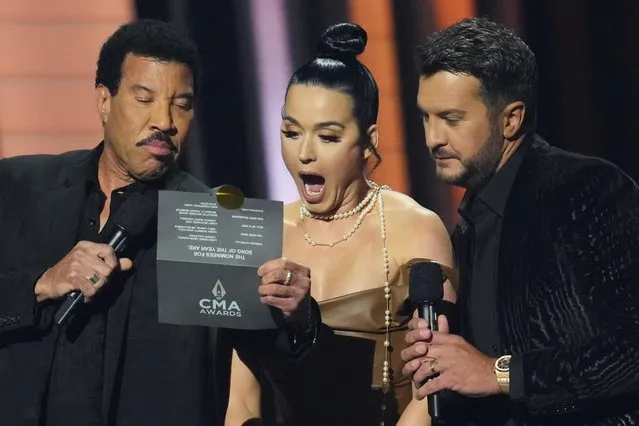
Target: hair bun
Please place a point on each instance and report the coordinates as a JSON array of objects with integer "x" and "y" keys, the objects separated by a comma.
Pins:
[{"x": 344, "y": 41}]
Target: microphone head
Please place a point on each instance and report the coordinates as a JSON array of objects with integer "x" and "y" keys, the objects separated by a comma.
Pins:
[
  {"x": 425, "y": 283},
  {"x": 136, "y": 213}
]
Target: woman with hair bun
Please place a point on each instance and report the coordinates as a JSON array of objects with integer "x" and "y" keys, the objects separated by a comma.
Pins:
[{"x": 357, "y": 238}]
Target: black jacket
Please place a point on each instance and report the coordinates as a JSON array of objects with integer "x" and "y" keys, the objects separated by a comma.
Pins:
[
  {"x": 568, "y": 291},
  {"x": 179, "y": 375}
]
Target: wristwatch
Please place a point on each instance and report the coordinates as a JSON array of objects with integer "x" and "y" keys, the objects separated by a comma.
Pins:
[{"x": 502, "y": 372}]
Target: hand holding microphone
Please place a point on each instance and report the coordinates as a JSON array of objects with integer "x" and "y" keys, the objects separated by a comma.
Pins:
[
  {"x": 88, "y": 266},
  {"x": 434, "y": 359},
  {"x": 426, "y": 292}
]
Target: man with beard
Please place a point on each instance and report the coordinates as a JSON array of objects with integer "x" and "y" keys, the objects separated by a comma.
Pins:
[
  {"x": 111, "y": 362},
  {"x": 547, "y": 248}
]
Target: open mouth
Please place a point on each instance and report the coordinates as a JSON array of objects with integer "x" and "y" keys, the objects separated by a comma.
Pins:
[{"x": 313, "y": 186}]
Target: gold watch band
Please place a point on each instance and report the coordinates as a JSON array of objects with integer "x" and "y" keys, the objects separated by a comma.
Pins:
[
  {"x": 502, "y": 372},
  {"x": 503, "y": 380}
]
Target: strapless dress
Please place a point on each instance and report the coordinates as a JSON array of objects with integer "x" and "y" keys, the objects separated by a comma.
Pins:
[{"x": 340, "y": 381}]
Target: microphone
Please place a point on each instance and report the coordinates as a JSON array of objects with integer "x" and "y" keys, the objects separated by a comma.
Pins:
[
  {"x": 425, "y": 292},
  {"x": 132, "y": 218}
]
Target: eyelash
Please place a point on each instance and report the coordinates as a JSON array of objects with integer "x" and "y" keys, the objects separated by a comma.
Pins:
[
  {"x": 331, "y": 139},
  {"x": 148, "y": 101},
  {"x": 452, "y": 122},
  {"x": 325, "y": 138}
]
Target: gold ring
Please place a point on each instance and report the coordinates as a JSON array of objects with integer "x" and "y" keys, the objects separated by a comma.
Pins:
[
  {"x": 94, "y": 279},
  {"x": 289, "y": 278},
  {"x": 432, "y": 365}
]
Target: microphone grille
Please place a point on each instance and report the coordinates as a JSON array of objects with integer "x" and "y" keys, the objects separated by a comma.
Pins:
[{"x": 426, "y": 283}]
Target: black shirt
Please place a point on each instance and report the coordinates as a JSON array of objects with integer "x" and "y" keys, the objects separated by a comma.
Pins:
[
  {"x": 482, "y": 213},
  {"x": 74, "y": 394}
]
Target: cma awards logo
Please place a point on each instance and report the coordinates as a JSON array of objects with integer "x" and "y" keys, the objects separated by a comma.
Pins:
[{"x": 219, "y": 305}]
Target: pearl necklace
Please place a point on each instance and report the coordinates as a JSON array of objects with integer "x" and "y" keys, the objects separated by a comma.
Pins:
[
  {"x": 350, "y": 233},
  {"x": 304, "y": 210},
  {"x": 373, "y": 197}
]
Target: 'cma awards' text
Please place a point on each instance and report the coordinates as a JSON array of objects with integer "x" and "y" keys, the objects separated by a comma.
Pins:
[{"x": 218, "y": 305}]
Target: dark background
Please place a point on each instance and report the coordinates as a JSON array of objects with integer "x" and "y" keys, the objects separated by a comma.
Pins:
[{"x": 587, "y": 53}]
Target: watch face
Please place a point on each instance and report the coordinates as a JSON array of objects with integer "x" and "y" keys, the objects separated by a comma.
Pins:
[{"x": 503, "y": 363}]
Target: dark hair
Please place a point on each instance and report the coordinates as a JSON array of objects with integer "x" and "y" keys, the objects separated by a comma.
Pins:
[
  {"x": 336, "y": 67},
  {"x": 501, "y": 61},
  {"x": 144, "y": 37}
]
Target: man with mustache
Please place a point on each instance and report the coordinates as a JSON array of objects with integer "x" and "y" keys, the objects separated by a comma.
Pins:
[
  {"x": 112, "y": 362},
  {"x": 547, "y": 249}
]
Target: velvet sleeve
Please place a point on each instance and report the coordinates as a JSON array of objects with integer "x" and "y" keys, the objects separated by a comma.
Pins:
[
  {"x": 596, "y": 247},
  {"x": 297, "y": 343}
]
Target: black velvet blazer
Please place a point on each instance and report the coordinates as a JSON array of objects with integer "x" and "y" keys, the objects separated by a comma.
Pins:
[{"x": 568, "y": 290}]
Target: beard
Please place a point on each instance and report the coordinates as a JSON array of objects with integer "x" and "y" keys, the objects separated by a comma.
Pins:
[{"x": 478, "y": 170}]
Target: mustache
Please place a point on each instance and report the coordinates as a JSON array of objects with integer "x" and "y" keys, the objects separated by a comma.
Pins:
[
  {"x": 441, "y": 153},
  {"x": 157, "y": 136}
]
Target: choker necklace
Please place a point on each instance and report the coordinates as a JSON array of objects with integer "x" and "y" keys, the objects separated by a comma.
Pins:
[
  {"x": 304, "y": 210},
  {"x": 365, "y": 206}
]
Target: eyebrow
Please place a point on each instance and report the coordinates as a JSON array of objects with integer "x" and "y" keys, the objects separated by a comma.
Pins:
[
  {"x": 143, "y": 88},
  {"x": 444, "y": 112},
  {"x": 452, "y": 111},
  {"x": 186, "y": 95},
  {"x": 318, "y": 125},
  {"x": 329, "y": 124}
]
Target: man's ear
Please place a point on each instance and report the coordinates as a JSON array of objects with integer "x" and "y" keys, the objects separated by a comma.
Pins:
[
  {"x": 513, "y": 117},
  {"x": 373, "y": 135},
  {"x": 103, "y": 102}
]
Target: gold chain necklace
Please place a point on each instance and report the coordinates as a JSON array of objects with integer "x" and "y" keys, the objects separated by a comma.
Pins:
[{"x": 373, "y": 197}]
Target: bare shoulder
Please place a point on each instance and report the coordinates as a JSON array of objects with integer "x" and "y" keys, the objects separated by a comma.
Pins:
[
  {"x": 402, "y": 208},
  {"x": 417, "y": 231}
]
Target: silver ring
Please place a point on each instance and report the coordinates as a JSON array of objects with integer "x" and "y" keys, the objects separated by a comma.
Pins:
[
  {"x": 94, "y": 279},
  {"x": 289, "y": 278}
]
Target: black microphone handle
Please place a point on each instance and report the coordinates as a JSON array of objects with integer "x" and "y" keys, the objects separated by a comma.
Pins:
[
  {"x": 118, "y": 242},
  {"x": 427, "y": 311}
]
